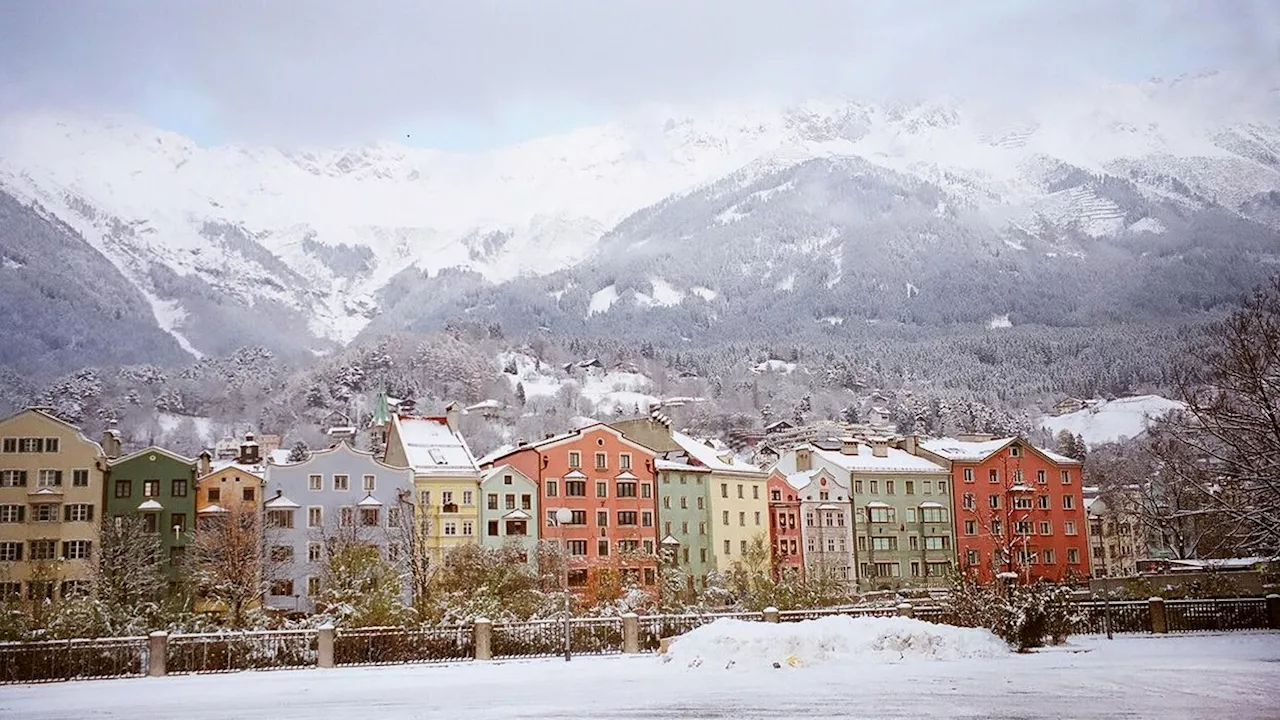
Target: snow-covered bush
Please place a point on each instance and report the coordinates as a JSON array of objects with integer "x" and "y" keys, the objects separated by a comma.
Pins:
[{"x": 1025, "y": 616}]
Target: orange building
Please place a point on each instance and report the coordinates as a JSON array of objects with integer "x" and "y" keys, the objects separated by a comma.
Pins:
[
  {"x": 1018, "y": 508},
  {"x": 609, "y": 484},
  {"x": 785, "y": 532}
]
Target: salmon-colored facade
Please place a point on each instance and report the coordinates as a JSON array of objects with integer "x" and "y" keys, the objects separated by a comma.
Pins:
[
  {"x": 609, "y": 483},
  {"x": 785, "y": 531},
  {"x": 1018, "y": 509}
]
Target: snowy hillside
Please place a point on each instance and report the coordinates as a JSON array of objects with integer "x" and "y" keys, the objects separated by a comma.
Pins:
[
  {"x": 1112, "y": 420},
  {"x": 309, "y": 239}
]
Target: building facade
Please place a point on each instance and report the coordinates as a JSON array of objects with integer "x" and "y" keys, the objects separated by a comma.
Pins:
[
  {"x": 510, "y": 511},
  {"x": 826, "y": 529},
  {"x": 1018, "y": 508},
  {"x": 786, "y": 535},
  {"x": 1114, "y": 539},
  {"x": 338, "y": 495},
  {"x": 445, "y": 475},
  {"x": 231, "y": 483},
  {"x": 50, "y": 505},
  {"x": 159, "y": 488},
  {"x": 607, "y": 482},
  {"x": 684, "y": 518}
]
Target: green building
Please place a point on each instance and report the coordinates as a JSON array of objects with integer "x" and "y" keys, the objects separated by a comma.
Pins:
[
  {"x": 160, "y": 487},
  {"x": 685, "y": 520}
]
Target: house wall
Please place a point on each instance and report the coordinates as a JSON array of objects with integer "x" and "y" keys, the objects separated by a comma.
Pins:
[
  {"x": 506, "y": 486},
  {"x": 1113, "y": 541},
  {"x": 74, "y": 453},
  {"x": 786, "y": 531},
  {"x": 917, "y": 565},
  {"x": 978, "y": 542},
  {"x": 739, "y": 515},
  {"x": 176, "y": 490},
  {"x": 392, "y": 486},
  {"x": 826, "y": 526},
  {"x": 684, "y": 513},
  {"x": 228, "y": 484}
]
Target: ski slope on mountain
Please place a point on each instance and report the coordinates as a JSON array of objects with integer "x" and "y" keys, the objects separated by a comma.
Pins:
[{"x": 1112, "y": 420}]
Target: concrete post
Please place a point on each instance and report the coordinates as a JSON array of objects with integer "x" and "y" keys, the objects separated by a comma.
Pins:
[
  {"x": 1273, "y": 611},
  {"x": 1159, "y": 623},
  {"x": 157, "y": 653},
  {"x": 630, "y": 633},
  {"x": 906, "y": 610},
  {"x": 483, "y": 630},
  {"x": 324, "y": 646},
  {"x": 771, "y": 615}
]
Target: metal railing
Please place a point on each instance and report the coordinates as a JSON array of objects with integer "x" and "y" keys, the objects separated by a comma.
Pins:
[
  {"x": 81, "y": 659},
  {"x": 251, "y": 650},
  {"x": 535, "y": 638},
  {"x": 797, "y": 615},
  {"x": 1129, "y": 616},
  {"x": 653, "y": 628},
  {"x": 1217, "y": 614},
  {"x": 396, "y": 645}
]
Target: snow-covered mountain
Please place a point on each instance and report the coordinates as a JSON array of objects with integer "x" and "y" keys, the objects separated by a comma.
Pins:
[{"x": 309, "y": 245}]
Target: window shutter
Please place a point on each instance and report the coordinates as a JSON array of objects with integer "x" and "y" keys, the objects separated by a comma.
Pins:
[
  {"x": 22, "y": 515},
  {"x": 66, "y": 513},
  {"x": 89, "y": 516},
  {"x": 57, "y": 478},
  {"x": 22, "y": 478},
  {"x": 66, "y": 549}
]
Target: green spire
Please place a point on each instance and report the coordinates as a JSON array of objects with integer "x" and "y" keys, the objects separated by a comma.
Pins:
[{"x": 381, "y": 413}]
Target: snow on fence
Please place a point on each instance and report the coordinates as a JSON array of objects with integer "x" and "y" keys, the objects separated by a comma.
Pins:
[
  {"x": 232, "y": 651},
  {"x": 25, "y": 662},
  {"x": 397, "y": 645},
  {"x": 163, "y": 654}
]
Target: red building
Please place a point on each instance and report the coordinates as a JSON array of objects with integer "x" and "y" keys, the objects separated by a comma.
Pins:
[
  {"x": 1018, "y": 508},
  {"x": 609, "y": 483},
  {"x": 784, "y": 525}
]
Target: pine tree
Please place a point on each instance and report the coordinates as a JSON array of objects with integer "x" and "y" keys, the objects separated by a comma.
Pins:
[
  {"x": 521, "y": 399},
  {"x": 299, "y": 452}
]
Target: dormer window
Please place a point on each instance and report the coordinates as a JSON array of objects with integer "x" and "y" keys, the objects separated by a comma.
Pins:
[{"x": 1015, "y": 451}]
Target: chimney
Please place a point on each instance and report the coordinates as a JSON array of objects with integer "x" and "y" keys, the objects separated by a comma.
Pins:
[
  {"x": 452, "y": 414},
  {"x": 111, "y": 441},
  {"x": 804, "y": 461},
  {"x": 911, "y": 444},
  {"x": 879, "y": 447},
  {"x": 204, "y": 463},
  {"x": 248, "y": 451},
  {"x": 848, "y": 446}
]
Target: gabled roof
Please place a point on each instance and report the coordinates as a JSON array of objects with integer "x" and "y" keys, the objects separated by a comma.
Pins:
[
  {"x": 42, "y": 412},
  {"x": 369, "y": 501},
  {"x": 626, "y": 475},
  {"x": 712, "y": 458},
  {"x": 431, "y": 447},
  {"x": 152, "y": 449},
  {"x": 517, "y": 515},
  {"x": 211, "y": 509},
  {"x": 222, "y": 466},
  {"x": 280, "y": 502},
  {"x": 150, "y": 505},
  {"x": 342, "y": 447},
  {"x": 969, "y": 451},
  {"x": 504, "y": 469},
  {"x": 895, "y": 460}
]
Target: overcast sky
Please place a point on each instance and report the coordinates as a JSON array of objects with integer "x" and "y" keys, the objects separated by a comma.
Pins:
[{"x": 469, "y": 74}]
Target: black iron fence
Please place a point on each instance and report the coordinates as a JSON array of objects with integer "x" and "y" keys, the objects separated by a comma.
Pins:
[
  {"x": 82, "y": 659},
  {"x": 397, "y": 645},
  {"x": 229, "y": 652}
]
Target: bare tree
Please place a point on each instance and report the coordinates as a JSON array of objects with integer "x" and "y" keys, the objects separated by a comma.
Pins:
[
  {"x": 128, "y": 573},
  {"x": 227, "y": 562},
  {"x": 1231, "y": 426},
  {"x": 1005, "y": 527}
]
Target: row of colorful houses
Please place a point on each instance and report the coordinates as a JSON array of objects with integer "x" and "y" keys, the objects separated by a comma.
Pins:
[{"x": 875, "y": 512}]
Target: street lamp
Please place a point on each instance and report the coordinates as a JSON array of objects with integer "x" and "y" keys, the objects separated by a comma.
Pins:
[{"x": 563, "y": 517}]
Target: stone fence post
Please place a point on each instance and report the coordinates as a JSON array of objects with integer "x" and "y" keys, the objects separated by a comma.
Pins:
[
  {"x": 157, "y": 653},
  {"x": 1273, "y": 611},
  {"x": 324, "y": 645},
  {"x": 771, "y": 615},
  {"x": 1159, "y": 622},
  {"x": 483, "y": 630},
  {"x": 906, "y": 609},
  {"x": 630, "y": 633}
]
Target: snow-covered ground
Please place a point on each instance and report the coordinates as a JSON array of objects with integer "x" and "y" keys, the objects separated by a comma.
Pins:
[
  {"x": 1112, "y": 420},
  {"x": 1170, "y": 678}
]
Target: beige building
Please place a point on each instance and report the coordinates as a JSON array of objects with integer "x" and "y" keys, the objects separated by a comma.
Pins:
[
  {"x": 50, "y": 504},
  {"x": 1113, "y": 540}
]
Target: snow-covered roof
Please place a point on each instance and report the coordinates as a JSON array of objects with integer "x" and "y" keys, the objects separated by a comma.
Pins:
[
  {"x": 800, "y": 480},
  {"x": 278, "y": 457},
  {"x": 665, "y": 464},
  {"x": 953, "y": 449},
  {"x": 432, "y": 448},
  {"x": 256, "y": 469},
  {"x": 828, "y": 506},
  {"x": 713, "y": 459},
  {"x": 895, "y": 460},
  {"x": 669, "y": 540},
  {"x": 212, "y": 509},
  {"x": 877, "y": 504},
  {"x": 369, "y": 501},
  {"x": 150, "y": 506},
  {"x": 1022, "y": 488},
  {"x": 494, "y": 454},
  {"x": 1056, "y": 457},
  {"x": 280, "y": 502},
  {"x": 517, "y": 515},
  {"x": 626, "y": 475},
  {"x": 489, "y": 404},
  {"x": 931, "y": 504}
]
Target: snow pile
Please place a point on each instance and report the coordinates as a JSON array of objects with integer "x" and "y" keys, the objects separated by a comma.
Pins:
[{"x": 838, "y": 639}]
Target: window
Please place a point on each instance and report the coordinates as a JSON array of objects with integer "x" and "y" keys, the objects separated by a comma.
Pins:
[
  {"x": 1017, "y": 476},
  {"x": 602, "y": 547},
  {"x": 370, "y": 483},
  {"x": 44, "y": 512},
  {"x": 280, "y": 518},
  {"x": 969, "y": 502},
  {"x": 702, "y": 528},
  {"x": 602, "y": 461},
  {"x": 451, "y": 528},
  {"x": 758, "y": 518},
  {"x": 10, "y": 590},
  {"x": 510, "y": 501},
  {"x": 468, "y": 497},
  {"x": 646, "y": 490},
  {"x": 1069, "y": 527},
  {"x": 888, "y": 487},
  {"x": 315, "y": 516},
  {"x": 491, "y": 528},
  {"x": 342, "y": 483},
  {"x": 577, "y": 547},
  {"x": 40, "y": 590},
  {"x": 313, "y": 586},
  {"x": 282, "y": 553},
  {"x": 1066, "y": 477},
  {"x": 10, "y": 551},
  {"x": 282, "y": 588},
  {"x": 646, "y": 519},
  {"x": 914, "y": 542},
  {"x": 915, "y": 568},
  {"x": 315, "y": 483},
  {"x": 51, "y": 445},
  {"x": 1046, "y": 527},
  {"x": 971, "y": 557},
  {"x": 579, "y": 517},
  {"x": 30, "y": 445},
  {"x": 315, "y": 552},
  {"x": 80, "y": 478},
  {"x": 13, "y": 513},
  {"x": 933, "y": 514},
  {"x": 468, "y": 528},
  {"x": 1048, "y": 556},
  {"x": 775, "y": 495},
  {"x": 446, "y": 499},
  {"x": 248, "y": 494},
  {"x": 742, "y": 519},
  {"x": 602, "y": 518},
  {"x": 11, "y": 445},
  {"x": 626, "y": 517},
  {"x": 996, "y": 527},
  {"x": 875, "y": 487},
  {"x": 724, "y": 490},
  {"x": 178, "y": 523},
  {"x": 346, "y": 516},
  {"x": 551, "y": 488},
  {"x": 888, "y": 569},
  {"x": 49, "y": 478},
  {"x": 857, "y": 486},
  {"x": 150, "y": 488},
  {"x": 728, "y": 547},
  {"x": 13, "y": 478},
  {"x": 942, "y": 487},
  {"x": 724, "y": 516},
  {"x": 937, "y": 542},
  {"x": 575, "y": 488},
  {"x": 910, "y": 487},
  {"x": 1040, "y": 477},
  {"x": 684, "y": 502},
  {"x": 1022, "y": 502},
  {"x": 602, "y": 489},
  {"x": 178, "y": 488},
  {"x": 968, "y": 475},
  {"x": 215, "y": 494},
  {"x": 699, "y": 503},
  {"x": 1022, "y": 527},
  {"x": 884, "y": 543},
  {"x": 151, "y": 523},
  {"x": 994, "y": 501},
  {"x": 881, "y": 514},
  {"x": 491, "y": 501},
  {"x": 76, "y": 549},
  {"x": 43, "y": 550},
  {"x": 1068, "y": 502},
  {"x": 575, "y": 462},
  {"x": 526, "y": 501},
  {"x": 369, "y": 517},
  {"x": 970, "y": 527},
  {"x": 578, "y": 576},
  {"x": 1042, "y": 502},
  {"x": 993, "y": 475},
  {"x": 624, "y": 461}
]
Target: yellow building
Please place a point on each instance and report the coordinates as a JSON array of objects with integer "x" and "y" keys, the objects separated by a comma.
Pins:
[
  {"x": 50, "y": 504},
  {"x": 445, "y": 476}
]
